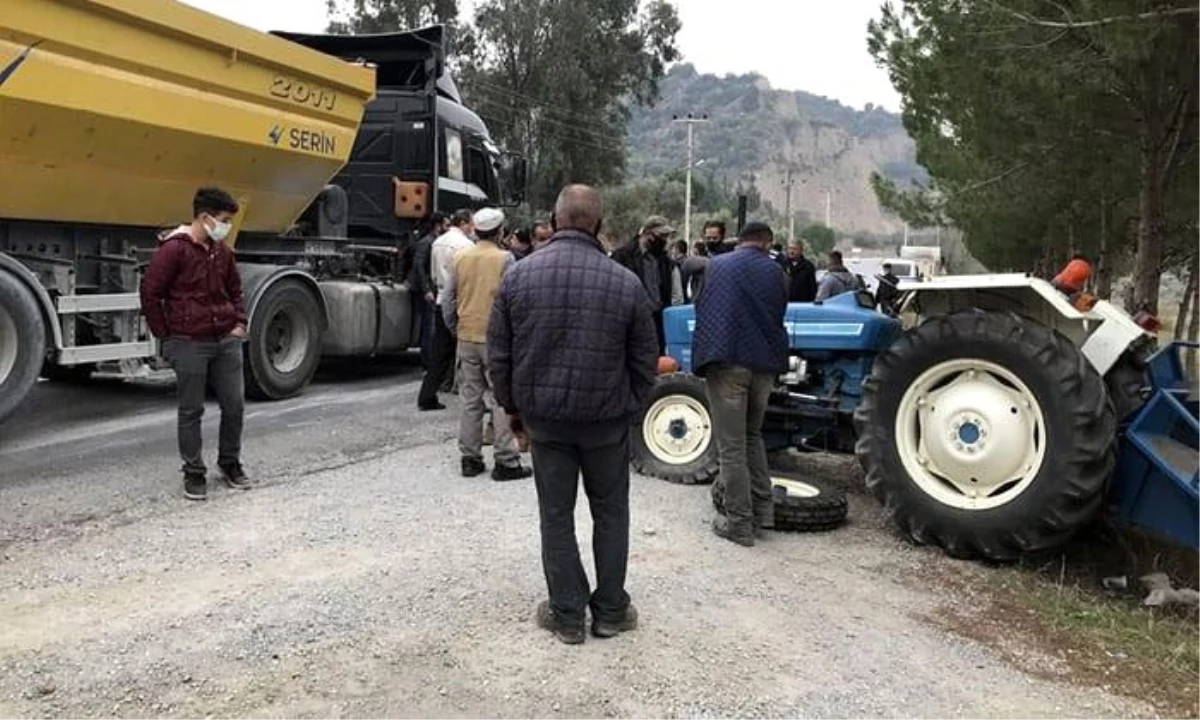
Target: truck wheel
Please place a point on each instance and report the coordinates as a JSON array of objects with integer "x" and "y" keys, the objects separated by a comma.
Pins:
[
  {"x": 22, "y": 343},
  {"x": 801, "y": 505},
  {"x": 987, "y": 434},
  {"x": 673, "y": 440},
  {"x": 284, "y": 346}
]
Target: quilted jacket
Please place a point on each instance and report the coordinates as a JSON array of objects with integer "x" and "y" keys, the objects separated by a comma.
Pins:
[
  {"x": 571, "y": 337},
  {"x": 740, "y": 314}
]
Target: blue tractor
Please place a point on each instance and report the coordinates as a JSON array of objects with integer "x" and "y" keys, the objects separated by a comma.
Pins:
[{"x": 991, "y": 427}]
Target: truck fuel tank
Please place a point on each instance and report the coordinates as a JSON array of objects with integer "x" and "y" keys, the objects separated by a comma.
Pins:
[{"x": 366, "y": 318}]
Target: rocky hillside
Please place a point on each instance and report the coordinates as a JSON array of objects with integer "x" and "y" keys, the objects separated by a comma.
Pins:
[{"x": 757, "y": 132}]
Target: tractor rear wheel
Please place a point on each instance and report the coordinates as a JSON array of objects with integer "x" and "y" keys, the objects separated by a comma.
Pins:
[
  {"x": 673, "y": 439},
  {"x": 987, "y": 434}
]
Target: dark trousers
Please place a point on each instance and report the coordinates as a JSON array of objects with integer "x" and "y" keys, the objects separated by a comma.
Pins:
[
  {"x": 441, "y": 358},
  {"x": 197, "y": 364},
  {"x": 601, "y": 451},
  {"x": 738, "y": 400},
  {"x": 423, "y": 313}
]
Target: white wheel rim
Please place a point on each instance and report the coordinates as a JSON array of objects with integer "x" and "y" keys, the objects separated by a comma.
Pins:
[
  {"x": 8, "y": 343},
  {"x": 796, "y": 488},
  {"x": 970, "y": 434},
  {"x": 677, "y": 429}
]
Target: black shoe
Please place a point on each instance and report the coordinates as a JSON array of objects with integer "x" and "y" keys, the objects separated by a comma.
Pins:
[
  {"x": 472, "y": 467},
  {"x": 428, "y": 407},
  {"x": 607, "y": 629},
  {"x": 502, "y": 473},
  {"x": 234, "y": 476},
  {"x": 195, "y": 486},
  {"x": 762, "y": 526},
  {"x": 722, "y": 529},
  {"x": 569, "y": 634}
]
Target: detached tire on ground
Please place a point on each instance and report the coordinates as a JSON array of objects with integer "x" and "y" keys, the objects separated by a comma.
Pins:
[
  {"x": 673, "y": 439},
  {"x": 801, "y": 505},
  {"x": 22, "y": 343},
  {"x": 284, "y": 344},
  {"x": 986, "y": 434}
]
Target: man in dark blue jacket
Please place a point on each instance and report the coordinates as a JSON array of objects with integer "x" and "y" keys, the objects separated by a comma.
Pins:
[
  {"x": 573, "y": 353},
  {"x": 740, "y": 346}
]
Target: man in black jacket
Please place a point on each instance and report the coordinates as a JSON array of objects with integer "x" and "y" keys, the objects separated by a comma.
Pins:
[
  {"x": 647, "y": 258},
  {"x": 573, "y": 354},
  {"x": 420, "y": 284},
  {"x": 801, "y": 273}
]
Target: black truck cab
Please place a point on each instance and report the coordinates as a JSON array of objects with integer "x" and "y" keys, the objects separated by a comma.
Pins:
[{"x": 419, "y": 149}]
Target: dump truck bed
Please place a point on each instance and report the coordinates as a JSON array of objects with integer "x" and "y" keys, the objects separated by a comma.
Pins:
[{"x": 115, "y": 111}]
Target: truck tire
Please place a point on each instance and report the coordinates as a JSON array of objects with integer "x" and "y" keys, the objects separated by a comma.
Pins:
[
  {"x": 22, "y": 343},
  {"x": 284, "y": 344},
  {"x": 673, "y": 439},
  {"x": 801, "y": 504},
  {"x": 987, "y": 434}
]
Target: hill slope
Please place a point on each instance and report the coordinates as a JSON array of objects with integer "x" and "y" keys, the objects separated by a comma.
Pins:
[{"x": 756, "y": 131}]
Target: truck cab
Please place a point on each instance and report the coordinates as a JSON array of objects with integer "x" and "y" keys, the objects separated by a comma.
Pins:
[{"x": 419, "y": 148}]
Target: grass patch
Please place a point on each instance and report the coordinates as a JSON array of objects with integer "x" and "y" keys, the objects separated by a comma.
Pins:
[{"x": 1056, "y": 621}]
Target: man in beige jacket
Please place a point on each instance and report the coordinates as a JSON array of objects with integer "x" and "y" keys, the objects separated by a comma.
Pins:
[{"x": 467, "y": 307}]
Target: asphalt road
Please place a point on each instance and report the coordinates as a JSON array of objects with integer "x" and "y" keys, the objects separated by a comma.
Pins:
[
  {"x": 365, "y": 578},
  {"x": 77, "y": 454}
]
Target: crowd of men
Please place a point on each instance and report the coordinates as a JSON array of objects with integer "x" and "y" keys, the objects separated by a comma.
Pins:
[{"x": 565, "y": 338}]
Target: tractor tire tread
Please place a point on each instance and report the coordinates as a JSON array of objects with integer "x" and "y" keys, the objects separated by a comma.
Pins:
[{"x": 1077, "y": 477}]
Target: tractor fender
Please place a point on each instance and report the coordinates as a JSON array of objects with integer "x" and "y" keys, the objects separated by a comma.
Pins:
[
  {"x": 257, "y": 277},
  {"x": 1103, "y": 333},
  {"x": 45, "y": 304}
]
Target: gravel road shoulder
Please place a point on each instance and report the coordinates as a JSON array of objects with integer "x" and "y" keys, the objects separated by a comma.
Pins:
[{"x": 393, "y": 587}]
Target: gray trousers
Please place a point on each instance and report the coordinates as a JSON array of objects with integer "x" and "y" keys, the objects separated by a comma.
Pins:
[
  {"x": 738, "y": 399},
  {"x": 197, "y": 363},
  {"x": 474, "y": 382}
]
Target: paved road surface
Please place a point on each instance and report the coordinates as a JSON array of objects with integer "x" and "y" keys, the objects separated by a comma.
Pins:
[{"x": 365, "y": 578}]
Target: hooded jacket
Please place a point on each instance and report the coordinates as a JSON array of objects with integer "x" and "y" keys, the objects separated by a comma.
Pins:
[
  {"x": 192, "y": 290},
  {"x": 836, "y": 281}
]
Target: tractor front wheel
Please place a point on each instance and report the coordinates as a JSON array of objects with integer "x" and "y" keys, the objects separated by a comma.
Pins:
[
  {"x": 673, "y": 440},
  {"x": 987, "y": 434}
]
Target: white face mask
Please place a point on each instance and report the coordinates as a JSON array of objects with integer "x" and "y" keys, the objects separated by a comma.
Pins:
[{"x": 218, "y": 230}]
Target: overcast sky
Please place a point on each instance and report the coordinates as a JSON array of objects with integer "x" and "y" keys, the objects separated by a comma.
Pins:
[{"x": 815, "y": 45}]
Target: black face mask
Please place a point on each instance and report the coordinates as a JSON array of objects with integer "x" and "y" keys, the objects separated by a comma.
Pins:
[
  {"x": 657, "y": 245},
  {"x": 716, "y": 247}
]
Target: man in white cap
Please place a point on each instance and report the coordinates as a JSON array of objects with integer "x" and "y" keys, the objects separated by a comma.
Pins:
[
  {"x": 441, "y": 356},
  {"x": 467, "y": 308}
]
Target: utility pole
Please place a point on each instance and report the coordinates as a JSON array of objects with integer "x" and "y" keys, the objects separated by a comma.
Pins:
[
  {"x": 691, "y": 121},
  {"x": 827, "y": 224},
  {"x": 788, "y": 183}
]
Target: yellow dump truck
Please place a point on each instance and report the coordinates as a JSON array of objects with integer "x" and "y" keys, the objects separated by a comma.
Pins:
[{"x": 112, "y": 113}]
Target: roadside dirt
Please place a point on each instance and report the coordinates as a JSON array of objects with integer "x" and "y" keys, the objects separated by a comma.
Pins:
[{"x": 393, "y": 587}]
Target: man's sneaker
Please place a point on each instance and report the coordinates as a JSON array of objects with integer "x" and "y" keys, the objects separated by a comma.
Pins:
[
  {"x": 472, "y": 467},
  {"x": 503, "y": 473},
  {"x": 607, "y": 629},
  {"x": 195, "y": 486},
  {"x": 722, "y": 529},
  {"x": 569, "y": 634},
  {"x": 431, "y": 407},
  {"x": 234, "y": 476}
]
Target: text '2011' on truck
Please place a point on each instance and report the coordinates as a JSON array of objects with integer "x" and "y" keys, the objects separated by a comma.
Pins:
[{"x": 112, "y": 113}]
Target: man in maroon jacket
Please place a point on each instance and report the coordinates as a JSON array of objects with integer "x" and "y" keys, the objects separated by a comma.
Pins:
[{"x": 192, "y": 300}]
